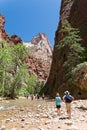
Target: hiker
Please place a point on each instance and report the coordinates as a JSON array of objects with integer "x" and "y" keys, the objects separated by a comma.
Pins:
[
  {"x": 26, "y": 95},
  {"x": 67, "y": 98},
  {"x": 38, "y": 96},
  {"x": 58, "y": 103},
  {"x": 32, "y": 97},
  {"x": 43, "y": 96}
]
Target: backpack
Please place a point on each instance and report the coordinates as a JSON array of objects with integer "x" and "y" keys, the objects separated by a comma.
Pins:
[{"x": 68, "y": 99}]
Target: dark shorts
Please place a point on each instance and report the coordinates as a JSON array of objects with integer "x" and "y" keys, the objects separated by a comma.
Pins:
[{"x": 58, "y": 106}]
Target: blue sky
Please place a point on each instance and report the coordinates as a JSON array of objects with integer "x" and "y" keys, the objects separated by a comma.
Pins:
[{"x": 27, "y": 18}]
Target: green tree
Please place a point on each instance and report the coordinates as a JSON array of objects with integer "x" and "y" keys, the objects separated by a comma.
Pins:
[
  {"x": 13, "y": 70},
  {"x": 5, "y": 64},
  {"x": 70, "y": 47},
  {"x": 19, "y": 80},
  {"x": 14, "y": 75},
  {"x": 31, "y": 84},
  {"x": 20, "y": 70}
]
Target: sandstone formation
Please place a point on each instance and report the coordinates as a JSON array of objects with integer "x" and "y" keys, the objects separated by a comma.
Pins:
[
  {"x": 15, "y": 39},
  {"x": 75, "y": 11},
  {"x": 40, "y": 56},
  {"x": 12, "y": 40}
]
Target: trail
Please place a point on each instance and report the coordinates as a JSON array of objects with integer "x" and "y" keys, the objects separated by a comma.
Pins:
[{"x": 26, "y": 114}]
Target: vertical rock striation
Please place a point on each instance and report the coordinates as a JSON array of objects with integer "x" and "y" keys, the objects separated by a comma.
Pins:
[{"x": 75, "y": 11}]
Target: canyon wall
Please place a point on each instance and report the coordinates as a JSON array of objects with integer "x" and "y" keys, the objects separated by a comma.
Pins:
[
  {"x": 40, "y": 52},
  {"x": 40, "y": 56},
  {"x": 75, "y": 11}
]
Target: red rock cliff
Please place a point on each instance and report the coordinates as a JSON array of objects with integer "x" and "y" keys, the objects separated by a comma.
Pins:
[
  {"x": 40, "y": 57},
  {"x": 75, "y": 11},
  {"x": 12, "y": 40}
]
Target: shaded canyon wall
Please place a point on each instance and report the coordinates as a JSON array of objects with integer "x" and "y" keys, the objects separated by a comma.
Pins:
[{"x": 75, "y": 11}]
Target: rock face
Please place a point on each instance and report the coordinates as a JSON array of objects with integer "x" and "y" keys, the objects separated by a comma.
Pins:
[
  {"x": 40, "y": 47},
  {"x": 75, "y": 11},
  {"x": 15, "y": 39},
  {"x": 39, "y": 60},
  {"x": 40, "y": 57},
  {"x": 12, "y": 40}
]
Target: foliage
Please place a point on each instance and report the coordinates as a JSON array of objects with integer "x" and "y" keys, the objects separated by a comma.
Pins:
[
  {"x": 13, "y": 70},
  {"x": 78, "y": 71},
  {"x": 32, "y": 86},
  {"x": 31, "y": 83},
  {"x": 20, "y": 52},
  {"x": 68, "y": 0},
  {"x": 5, "y": 64},
  {"x": 71, "y": 48},
  {"x": 39, "y": 87},
  {"x": 14, "y": 76},
  {"x": 19, "y": 80}
]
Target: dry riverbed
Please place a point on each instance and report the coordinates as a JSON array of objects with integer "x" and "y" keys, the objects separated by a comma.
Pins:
[{"x": 27, "y": 114}]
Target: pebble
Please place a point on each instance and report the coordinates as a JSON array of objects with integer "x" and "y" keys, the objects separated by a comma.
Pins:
[
  {"x": 13, "y": 129},
  {"x": 47, "y": 122},
  {"x": 68, "y": 122},
  {"x": 44, "y": 117},
  {"x": 73, "y": 128},
  {"x": 2, "y": 127}
]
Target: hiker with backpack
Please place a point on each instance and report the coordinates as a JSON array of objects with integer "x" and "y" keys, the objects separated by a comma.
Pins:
[{"x": 67, "y": 98}]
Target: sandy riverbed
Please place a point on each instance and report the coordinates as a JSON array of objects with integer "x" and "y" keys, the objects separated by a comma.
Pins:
[{"x": 27, "y": 114}]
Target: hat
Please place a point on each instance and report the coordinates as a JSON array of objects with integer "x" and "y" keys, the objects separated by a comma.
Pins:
[
  {"x": 57, "y": 94},
  {"x": 66, "y": 92}
]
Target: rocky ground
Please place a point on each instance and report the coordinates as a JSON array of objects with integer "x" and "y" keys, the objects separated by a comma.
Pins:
[{"x": 27, "y": 114}]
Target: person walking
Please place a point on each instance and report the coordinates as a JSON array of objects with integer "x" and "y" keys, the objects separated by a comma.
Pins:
[
  {"x": 58, "y": 102},
  {"x": 43, "y": 96},
  {"x": 67, "y": 98}
]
